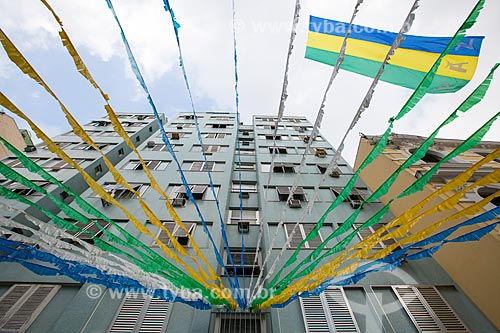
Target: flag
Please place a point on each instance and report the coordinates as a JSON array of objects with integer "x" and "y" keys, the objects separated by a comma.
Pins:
[{"x": 367, "y": 48}]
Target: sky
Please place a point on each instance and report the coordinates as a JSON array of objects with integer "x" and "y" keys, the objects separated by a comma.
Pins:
[{"x": 263, "y": 33}]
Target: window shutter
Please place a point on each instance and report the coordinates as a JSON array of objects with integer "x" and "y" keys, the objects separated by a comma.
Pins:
[
  {"x": 442, "y": 310},
  {"x": 341, "y": 314},
  {"x": 314, "y": 315},
  {"x": 22, "y": 303},
  {"x": 428, "y": 311},
  {"x": 296, "y": 238},
  {"x": 316, "y": 241},
  {"x": 162, "y": 236},
  {"x": 141, "y": 313}
]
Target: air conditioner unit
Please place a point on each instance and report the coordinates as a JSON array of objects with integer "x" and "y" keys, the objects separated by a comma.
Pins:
[
  {"x": 179, "y": 127},
  {"x": 245, "y": 195},
  {"x": 243, "y": 227},
  {"x": 179, "y": 202},
  {"x": 141, "y": 117},
  {"x": 335, "y": 173},
  {"x": 150, "y": 144},
  {"x": 104, "y": 203},
  {"x": 175, "y": 136},
  {"x": 306, "y": 139},
  {"x": 30, "y": 149},
  {"x": 295, "y": 203},
  {"x": 320, "y": 153},
  {"x": 55, "y": 169},
  {"x": 246, "y": 133},
  {"x": 355, "y": 204}
]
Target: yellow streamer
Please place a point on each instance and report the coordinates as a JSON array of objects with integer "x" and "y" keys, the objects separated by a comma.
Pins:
[
  {"x": 83, "y": 70},
  {"x": 16, "y": 56},
  {"x": 330, "y": 269}
]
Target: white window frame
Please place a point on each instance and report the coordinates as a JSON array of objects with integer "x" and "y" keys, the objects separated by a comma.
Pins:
[
  {"x": 251, "y": 216},
  {"x": 302, "y": 232}
]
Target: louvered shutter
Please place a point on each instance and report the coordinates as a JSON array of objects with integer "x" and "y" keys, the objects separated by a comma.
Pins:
[
  {"x": 342, "y": 317},
  {"x": 296, "y": 238},
  {"x": 196, "y": 166},
  {"x": 141, "y": 313},
  {"x": 162, "y": 236},
  {"x": 366, "y": 232},
  {"x": 442, "y": 310},
  {"x": 428, "y": 311},
  {"x": 314, "y": 315},
  {"x": 316, "y": 241},
  {"x": 21, "y": 304}
]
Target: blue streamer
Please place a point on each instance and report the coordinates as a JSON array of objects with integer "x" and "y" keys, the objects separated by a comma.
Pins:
[
  {"x": 138, "y": 75},
  {"x": 176, "y": 27},
  {"x": 396, "y": 258},
  {"x": 19, "y": 253},
  {"x": 237, "y": 101}
]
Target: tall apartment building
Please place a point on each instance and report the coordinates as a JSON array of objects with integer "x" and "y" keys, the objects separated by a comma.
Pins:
[
  {"x": 473, "y": 266},
  {"x": 417, "y": 297}
]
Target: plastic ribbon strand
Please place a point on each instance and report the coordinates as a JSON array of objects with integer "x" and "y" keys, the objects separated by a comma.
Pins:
[
  {"x": 466, "y": 145},
  {"x": 82, "y": 69},
  {"x": 363, "y": 106},
  {"x": 382, "y": 143},
  {"x": 237, "y": 107},
  {"x": 19, "y": 253},
  {"x": 166, "y": 141},
  {"x": 331, "y": 269},
  {"x": 474, "y": 98},
  {"x": 18, "y": 59},
  {"x": 176, "y": 27},
  {"x": 49, "y": 239},
  {"x": 94, "y": 185},
  {"x": 314, "y": 133}
]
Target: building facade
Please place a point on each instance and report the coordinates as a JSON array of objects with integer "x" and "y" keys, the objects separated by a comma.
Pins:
[
  {"x": 471, "y": 265},
  {"x": 10, "y": 132},
  {"x": 417, "y": 297}
]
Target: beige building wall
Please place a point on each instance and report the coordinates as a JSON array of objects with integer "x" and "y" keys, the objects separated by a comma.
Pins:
[
  {"x": 10, "y": 132},
  {"x": 475, "y": 266}
]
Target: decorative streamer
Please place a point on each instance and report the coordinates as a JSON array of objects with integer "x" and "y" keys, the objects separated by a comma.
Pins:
[
  {"x": 329, "y": 270},
  {"x": 138, "y": 75},
  {"x": 176, "y": 27},
  {"x": 363, "y": 106},
  {"x": 237, "y": 104},
  {"x": 475, "y": 97},
  {"x": 80, "y": 273},
  {"x": 82, "y": 69},
  {"x": 314, "y": 133},
  {"x": 26, "y": 68},
  {"x": 372, "y": 239},
  {"x": 382, "y": 143},
  {"x": 92, "y": 183}
]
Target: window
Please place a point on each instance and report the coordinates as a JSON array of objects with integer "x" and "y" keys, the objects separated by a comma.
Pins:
[
  {"x": 283, "y": 168},
  {"x": 277, "y": 150},
  {"x": 216, "y": 135},
  {"x": 426, "y": 308},
  {"x": 57, "y": 164},
  {"x": 250, "y": 216},
  {"x": 244, "y": 166},
  {"x": 271, "y": 137},
  {"x": 141, "y": 313},
  {"x": 356, "y": 197},
  {"x": 16, "y": 163},
  {"x": 485, "y": 192},
  {"x": 284, "y": 192},
  {"x": 209, "y": 149},
  {"x": 219, "y": 125},
  {"x": 24, "y": 190},
  {"x": 199, "y": 192},
  {"x": 151, "y": 164},
  {"x": 107, "y": 133},
  {"x": 328, "y": 312},
  {"x": 249, "y": 267},
  {"x": 121, "y": 152},
  {"x": 119, "y": 192},
  {"x": 98, "y": 169},
  {"x": 175, "y": 135},
  {"x": 236, "y": 322},
  {"x": 336, "y": 172},
  {"x": 176, "y": 232},
  {"x": 366, "y": 232},
  {"x": 222, "y": 117},
  {"x": 84, "y": 146},
  {"x": 92, "y": 228},
  {"x": 100, "y": 123},
  {"x": 62, "y": 145},
  {"x": 433, "y": 156},
  {"x": 22, "y": 303},
  {"x": 245, "y": 152},
  {"x": 188, "y": 117},
  {"x": 202, "y": 166},
  {"x": 245, "y": 187},
  {"x": 157, "y": 147},
  {"x": 301, "y": 231}
]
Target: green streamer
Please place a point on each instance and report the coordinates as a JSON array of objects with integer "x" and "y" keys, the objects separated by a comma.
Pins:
[
  {"x": 381, "y": 144},
  {"x": 152, "y": 265}
]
